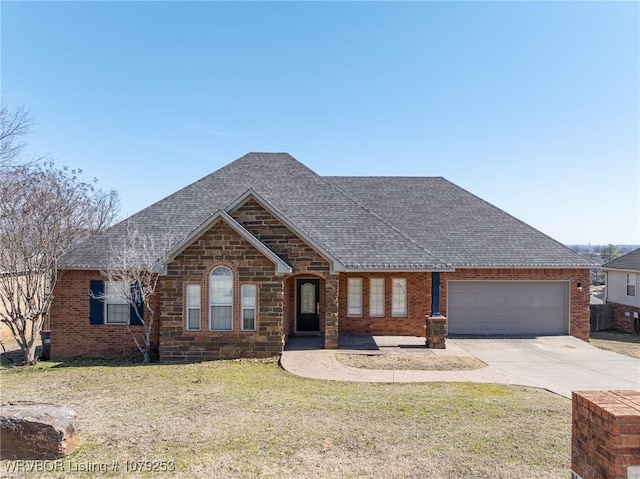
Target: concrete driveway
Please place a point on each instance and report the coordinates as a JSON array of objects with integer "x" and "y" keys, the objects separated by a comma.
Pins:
[{"x": 558, "y": 363}]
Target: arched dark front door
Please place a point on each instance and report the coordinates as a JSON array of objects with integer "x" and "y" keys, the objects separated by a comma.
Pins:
[{"x": 308, "y": 305}]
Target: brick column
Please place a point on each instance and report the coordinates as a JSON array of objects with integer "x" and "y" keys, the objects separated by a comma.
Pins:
[
  {"x": 331, "y": 312},
  {"x": 605, "y": 441}
]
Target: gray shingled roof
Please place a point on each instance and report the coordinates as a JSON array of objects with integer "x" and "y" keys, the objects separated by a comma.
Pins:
[
  {"x": 457, "y": 225},
  {"x": 365, "y": 223},
  {"x": 628, "y": 262}
]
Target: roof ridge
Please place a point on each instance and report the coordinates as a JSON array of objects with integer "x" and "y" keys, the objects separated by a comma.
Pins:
[
  {"x": 368, "y": 210},
  {"x": 380, "y": 218}
]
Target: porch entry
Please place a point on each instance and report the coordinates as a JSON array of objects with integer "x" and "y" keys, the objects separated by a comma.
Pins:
[{"x": 307, "y": 305}]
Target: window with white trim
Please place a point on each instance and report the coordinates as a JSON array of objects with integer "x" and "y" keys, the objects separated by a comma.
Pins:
[
  {"x": 354, "y": 297},
  {"x": 193, "y": 307},
  {"x": 249, "y": 307},
  {"x": 221, "y": 299},
  {"x": 631, "y": 284},
  {"x": 399, "y": 297},
  {"x": 376, "y": 297},
  {"x": 116, "y": 306}
]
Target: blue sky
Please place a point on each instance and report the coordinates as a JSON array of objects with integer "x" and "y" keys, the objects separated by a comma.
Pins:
[{"x": 532, "y": 106}]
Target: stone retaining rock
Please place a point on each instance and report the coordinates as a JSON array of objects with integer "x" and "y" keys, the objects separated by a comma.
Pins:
[{"x": 36, "y": 431}]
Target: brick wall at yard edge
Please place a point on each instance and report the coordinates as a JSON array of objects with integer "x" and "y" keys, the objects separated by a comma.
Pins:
[{"x": 605, "y": 438}]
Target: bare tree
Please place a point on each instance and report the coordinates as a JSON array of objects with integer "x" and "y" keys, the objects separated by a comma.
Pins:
[
  {"x": 45, "y": 212},
  {"x": 13, "y": 127},
  {"x": 133, "y": 272}
]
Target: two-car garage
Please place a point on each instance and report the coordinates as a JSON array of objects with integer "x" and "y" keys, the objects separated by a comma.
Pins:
[{"x": 507, "y": 307}]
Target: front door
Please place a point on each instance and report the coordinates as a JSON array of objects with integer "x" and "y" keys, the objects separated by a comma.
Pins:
[{"x": 308, "y": 305}]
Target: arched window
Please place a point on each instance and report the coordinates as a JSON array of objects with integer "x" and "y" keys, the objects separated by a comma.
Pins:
[{"x": 221, "y": 299}]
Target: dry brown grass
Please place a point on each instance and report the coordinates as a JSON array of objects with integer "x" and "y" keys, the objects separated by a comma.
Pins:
[
  {"x": 245, "y": 419},
  {"x": 618, "y": 342},
  {"x": 410, "y": 362}
]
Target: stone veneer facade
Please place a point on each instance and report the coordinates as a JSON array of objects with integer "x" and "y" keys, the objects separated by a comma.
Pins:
[{"x": 222, "y": 246}]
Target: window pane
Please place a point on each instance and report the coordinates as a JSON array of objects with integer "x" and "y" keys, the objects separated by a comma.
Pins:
[
  {"x": 221, "y": 318},
  {"x": 248, "y": 319},
  {"x": 631, "y": 284},
  {"x": 113, "y": 292},
  {"x": 376, "y": 297},
  {"x": 117, "y": 313},
  {"x": 249, "y": 307},
  {"x": 249, "y": 296},
  {"x": 308, "y": 298},
  {"x": 193, "y": 296},
  {"x": 399, "y": 298},
  {"x": 221, "y": 290},
  {"x": 193, "y": 320},
  {"x": 354, "y": 297},
  {"x": 221, "y": 271}
]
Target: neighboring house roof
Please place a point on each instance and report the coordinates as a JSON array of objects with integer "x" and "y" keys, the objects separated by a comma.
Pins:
[
  {"x": 389, "y": 223},
  {"x": 627, "y": 262}
]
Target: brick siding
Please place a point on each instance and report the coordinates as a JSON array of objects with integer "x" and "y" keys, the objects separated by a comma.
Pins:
[
  {"x": 605, "y": 438},
  {"x": 418, "y": 306},
  {"x": 419, "y": 298},
  {"x": 71, "y": 333},
  {"x": 618, "y": 319},
  {"x": 579, "y": 323}
]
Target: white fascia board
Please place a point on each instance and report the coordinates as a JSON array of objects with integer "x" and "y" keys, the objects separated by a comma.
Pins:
[
  {"x": 335, "y": 263},
  {"x": 621, "y": 270}
]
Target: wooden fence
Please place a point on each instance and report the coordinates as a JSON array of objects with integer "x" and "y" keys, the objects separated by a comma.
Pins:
[{"x": 600, "y": 317}]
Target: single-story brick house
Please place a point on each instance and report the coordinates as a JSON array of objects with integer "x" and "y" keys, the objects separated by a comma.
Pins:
[
  {"x": 270, "y": 249},
  {"x": 621, "y": 290}
]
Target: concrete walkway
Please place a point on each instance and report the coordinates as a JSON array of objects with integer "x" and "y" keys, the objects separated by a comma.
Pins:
[{"x": 560, "y": 364}]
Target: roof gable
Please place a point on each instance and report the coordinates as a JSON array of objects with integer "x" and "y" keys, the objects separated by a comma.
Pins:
[
  {"x": 281, "y": 266},
  {"x": 251, "y": 194}
]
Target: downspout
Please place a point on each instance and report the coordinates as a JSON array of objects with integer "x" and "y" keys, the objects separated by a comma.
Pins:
[{"x": 435, "y": 294}]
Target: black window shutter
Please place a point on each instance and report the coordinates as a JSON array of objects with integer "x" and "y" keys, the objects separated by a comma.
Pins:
[
  {"x": 96, "y": 304},
  {"x": 136, "y": 309}
]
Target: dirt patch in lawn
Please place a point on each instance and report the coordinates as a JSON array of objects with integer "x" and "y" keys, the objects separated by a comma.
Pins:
[
  {"x": 617, "y": 342},
  {"x": 415, "y": 362}
]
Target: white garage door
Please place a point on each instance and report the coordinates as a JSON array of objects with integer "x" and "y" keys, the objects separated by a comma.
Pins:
[{"x": 509, "y": 307}]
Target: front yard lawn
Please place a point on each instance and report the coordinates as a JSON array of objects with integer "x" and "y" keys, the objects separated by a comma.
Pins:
[
  {"x": 617, "y": 341},
  {"x": 243, "y": 419}
]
